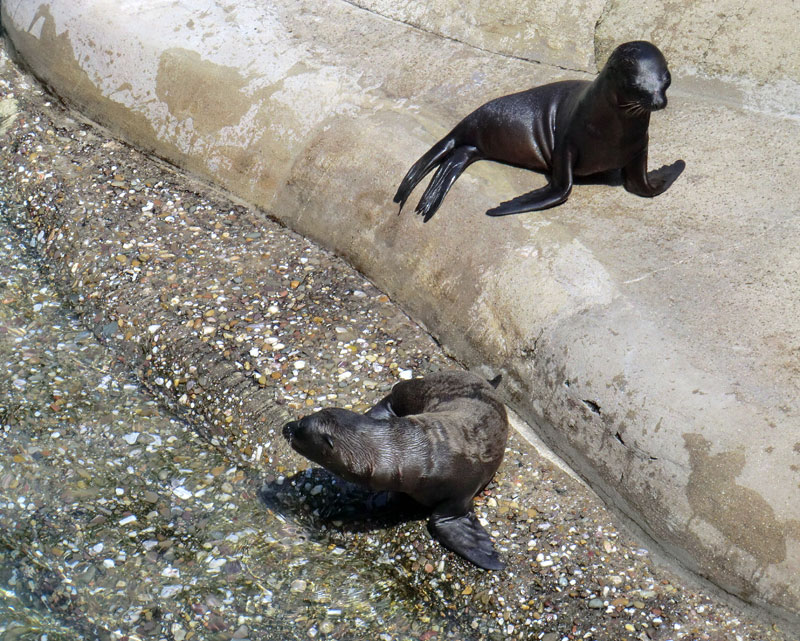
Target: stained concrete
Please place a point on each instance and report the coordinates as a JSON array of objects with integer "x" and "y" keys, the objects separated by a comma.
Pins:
[{"x": 655, "y": 344}]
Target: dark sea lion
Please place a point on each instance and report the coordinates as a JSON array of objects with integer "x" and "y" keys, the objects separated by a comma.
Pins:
[
  {"x": 438, "y": 439},
  {"x": 564, "y": 129}
]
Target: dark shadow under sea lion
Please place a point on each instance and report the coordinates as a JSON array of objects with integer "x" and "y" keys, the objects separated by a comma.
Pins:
[
  {"x": 438, "y": 439},
  {"x": 564, "y": 129}
]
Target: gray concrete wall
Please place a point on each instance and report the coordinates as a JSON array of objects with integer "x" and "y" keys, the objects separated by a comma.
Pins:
[
  {"x": 654, "y": 343},
  {"x": 747, "y": 52},
  {"x": 556, "y": 32}
]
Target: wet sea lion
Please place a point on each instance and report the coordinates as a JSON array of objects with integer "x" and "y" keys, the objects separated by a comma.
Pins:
[
  {"x": 438, "y": 439},
  {"x": 564, "y": 129}
]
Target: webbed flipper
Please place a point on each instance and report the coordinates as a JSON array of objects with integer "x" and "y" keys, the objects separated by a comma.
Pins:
[
  {"x": 465, "y": 536},
  {"x": 552, "y": 194},
  {"x": 639, "y": 181}
]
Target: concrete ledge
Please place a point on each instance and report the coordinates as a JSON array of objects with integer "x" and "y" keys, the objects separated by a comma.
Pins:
[{"x": 655, "y": 343}]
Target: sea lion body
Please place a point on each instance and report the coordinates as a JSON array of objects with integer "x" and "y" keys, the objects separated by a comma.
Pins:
[
  {"x": 438, "y": 439},
  {"x": 564, "y": 129}
]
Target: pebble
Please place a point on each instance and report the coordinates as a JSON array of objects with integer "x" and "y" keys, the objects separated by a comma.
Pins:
[
  {"x": 181, "y": 492},
  {"x": 298, "y": 585}
]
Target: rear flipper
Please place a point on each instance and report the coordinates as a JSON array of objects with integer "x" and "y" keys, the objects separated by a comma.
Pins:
[
  {"x": 382, "y": 410},
  {"x": 450, "y": 169},
  {"x": 422, "y": 167},
  {"x": 465, "y": 536}
]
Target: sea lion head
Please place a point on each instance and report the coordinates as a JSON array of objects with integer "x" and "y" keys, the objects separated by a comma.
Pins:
[
  {"x": 639, "y": 76},
  {"x": 335, "y": 439}
]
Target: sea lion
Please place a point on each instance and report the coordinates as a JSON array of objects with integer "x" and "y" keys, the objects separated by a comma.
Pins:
[
  {"x": 438, "y": 439},
  {"x": 564, "y": 129}
]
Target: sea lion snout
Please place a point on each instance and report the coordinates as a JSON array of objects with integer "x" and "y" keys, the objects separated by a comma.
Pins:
[
  {"x": 290, "y": 429},
  {"x": 658, "y": 102}
]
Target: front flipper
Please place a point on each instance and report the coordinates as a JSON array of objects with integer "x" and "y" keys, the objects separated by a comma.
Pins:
[
  {"x": 638, "y": 181},
  {"x": 465, "y": 536},
  {"x": 532, "y": 201},
  {"x": 554, "y": 193}
]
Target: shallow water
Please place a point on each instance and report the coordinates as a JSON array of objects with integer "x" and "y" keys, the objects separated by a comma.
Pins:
[{"x": 116, "y": 519}]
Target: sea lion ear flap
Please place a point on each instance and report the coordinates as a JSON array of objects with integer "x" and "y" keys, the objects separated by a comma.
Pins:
[
  {"x": 328, "y": 439},
  {"x": 496, "y": 381}
]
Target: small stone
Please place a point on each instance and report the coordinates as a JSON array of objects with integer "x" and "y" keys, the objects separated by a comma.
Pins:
[
  {"x": 216, "y": 623},
  {"x": 596, "y": 604},
  {"x": 181, "y": 492},
  {"x": 298, "y": 585},
  {"x": 109, "y": 329},
  {"x": 170, "y": 590}
]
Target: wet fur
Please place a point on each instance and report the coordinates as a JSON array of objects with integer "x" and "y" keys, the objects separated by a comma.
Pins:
[
  {"x": 439, "y": 439},
  {"x": 563, "y": 129}
]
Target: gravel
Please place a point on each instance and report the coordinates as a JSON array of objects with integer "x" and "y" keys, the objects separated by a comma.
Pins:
[{"x": 156, "y": 335}]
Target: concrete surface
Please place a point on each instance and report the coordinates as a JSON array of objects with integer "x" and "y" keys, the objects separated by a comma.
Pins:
[
  {"x": 654, "y": 343},
  {"x": 556, "y": 32},
  {"x": 750, "y": 47}
]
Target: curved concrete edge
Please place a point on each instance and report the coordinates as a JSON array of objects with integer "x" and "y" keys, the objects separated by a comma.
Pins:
[{"x": 590, "y": 310}]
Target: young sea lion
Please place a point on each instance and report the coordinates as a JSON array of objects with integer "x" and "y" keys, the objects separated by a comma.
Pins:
[
  {"x": 439, "y": 439},
  {"x": 564, "y": 129}
]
